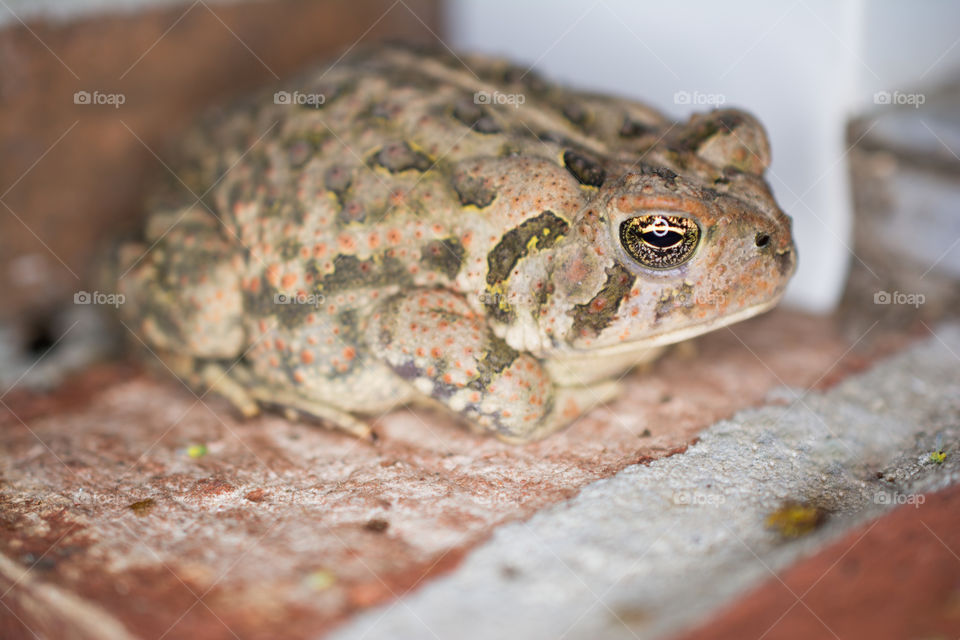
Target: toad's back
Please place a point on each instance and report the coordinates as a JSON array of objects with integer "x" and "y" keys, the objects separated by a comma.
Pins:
[{"x": 390, "y": 172}]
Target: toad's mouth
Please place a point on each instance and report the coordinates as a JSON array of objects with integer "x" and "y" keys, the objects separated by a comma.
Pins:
[{"x": 679, "y": 335}]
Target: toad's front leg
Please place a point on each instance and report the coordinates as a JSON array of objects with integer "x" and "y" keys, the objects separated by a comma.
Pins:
[{"x": 435, "y": 341}]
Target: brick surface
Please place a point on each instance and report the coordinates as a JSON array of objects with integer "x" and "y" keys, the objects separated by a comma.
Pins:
[{"x": 140, "y": 499}]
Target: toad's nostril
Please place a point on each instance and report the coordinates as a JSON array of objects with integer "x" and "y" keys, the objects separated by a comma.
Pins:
[{"x": 762, "y": 239}]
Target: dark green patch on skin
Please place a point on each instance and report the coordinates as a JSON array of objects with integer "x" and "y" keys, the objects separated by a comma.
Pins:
[
  {"x": 514, "y": 74},
  {"x": 516, "y": 243},
  {"x": 667, "y": 175},
  {"x": 597, "y": 314},
  {"x": 682, "y": 297},
  {"x": 575, "y": 113},
  {"x": 350, "y": 272},
  {"x": 444, "y": 256},
  {"x": 399, "y": 156},
  {"x": 697, "y": 136},
  {"x": 634, "y": 128},
  {"x": 289, "y": 312},
  {"x": 338, "y": 179},
  {"x": 473, "y": 190},
  {"x": 498, "y": 355},
  {"x": 586, "y": 170},
  {"x": 351, "y": 212},
  {"x": 475, "y": 116},
  {"x": 350, "y": 328}
]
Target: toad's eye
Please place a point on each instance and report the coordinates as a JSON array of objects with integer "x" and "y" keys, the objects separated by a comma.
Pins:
[{"x": 660, "y": 241}]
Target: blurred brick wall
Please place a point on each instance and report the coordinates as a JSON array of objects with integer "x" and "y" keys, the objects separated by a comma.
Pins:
[{"x": 73, "y": 175}]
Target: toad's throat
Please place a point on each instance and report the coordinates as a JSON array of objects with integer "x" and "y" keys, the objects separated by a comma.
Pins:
[{"x": 659, "y": 340}]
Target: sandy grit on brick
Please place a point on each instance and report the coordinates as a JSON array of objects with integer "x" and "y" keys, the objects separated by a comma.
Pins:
[{"x": 271, "y": 523}]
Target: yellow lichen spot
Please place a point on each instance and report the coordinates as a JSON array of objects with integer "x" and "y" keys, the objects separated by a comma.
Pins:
[
  {"x": 794, "y": 520},
  {"x": 938, "y": 457},
  {"x": 320, "y": 580},
  {"x": 197, "y": 450}
]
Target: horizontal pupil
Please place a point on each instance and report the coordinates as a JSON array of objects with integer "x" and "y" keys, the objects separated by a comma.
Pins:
[{"x": 669, "y": 239}]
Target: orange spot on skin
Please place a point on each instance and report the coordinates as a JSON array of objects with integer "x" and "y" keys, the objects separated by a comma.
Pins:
[
  {"x": 420, "y": 352},
  {"x": 273, "y": 275},
  {"x": 394, "y": 236},
  {"x": 346, "y": 242},
  {"x": 435, "y": 352},
  {"x": 306, "y": 357},
  {"x": 373, "y": 240},
  {"x": 299, "y": 377},
  {"x": 447, "y": 378},
  {"x": 288, "y": 281},
  {"x": 349, "y": 353},
  {"x": 319, "y": 250},
  {"x": 279, "y": 344}
]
